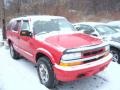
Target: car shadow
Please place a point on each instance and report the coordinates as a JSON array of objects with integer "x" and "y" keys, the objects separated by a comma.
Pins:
[{"x": 92, "y": 83}]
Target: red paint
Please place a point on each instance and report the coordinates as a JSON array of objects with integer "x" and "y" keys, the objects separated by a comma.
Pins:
[{"x": 73, "y": 40}]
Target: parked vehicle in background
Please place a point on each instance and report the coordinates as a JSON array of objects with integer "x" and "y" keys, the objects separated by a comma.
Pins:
[
  {"x": 115, "y": 25},
  {"x": 59, "y": 53},
  {"x": 104, "y": 32}
]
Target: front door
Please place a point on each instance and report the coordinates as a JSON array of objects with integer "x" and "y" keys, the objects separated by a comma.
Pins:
[
  {"x": 25, "y": 42},
  {"x": 15, "y": 32}
]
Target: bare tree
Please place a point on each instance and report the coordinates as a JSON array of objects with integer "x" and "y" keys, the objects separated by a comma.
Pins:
[
  {"x": 3, "y": 19},
  {"x": 74, "y": 10}
]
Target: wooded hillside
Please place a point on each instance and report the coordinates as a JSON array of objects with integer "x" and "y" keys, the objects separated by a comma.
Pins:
[{"x": 74, "y": 10}]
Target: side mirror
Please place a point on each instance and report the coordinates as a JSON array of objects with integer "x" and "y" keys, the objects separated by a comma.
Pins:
[
  {"x": 94, "y": 35},
  {"x": 78, "y": 28},
  {"x": 89, "y": 31},
  {"x": 26, "y": 33}
]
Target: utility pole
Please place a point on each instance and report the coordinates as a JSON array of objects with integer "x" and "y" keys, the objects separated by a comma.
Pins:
[{"x": 3, "y": 20}]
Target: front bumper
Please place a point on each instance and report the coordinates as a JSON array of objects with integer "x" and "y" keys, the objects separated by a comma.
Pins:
[{"x": 85, "y": 70}]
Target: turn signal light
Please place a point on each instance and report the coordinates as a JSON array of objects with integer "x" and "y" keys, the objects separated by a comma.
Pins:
[{"x": 70, "y": 64}]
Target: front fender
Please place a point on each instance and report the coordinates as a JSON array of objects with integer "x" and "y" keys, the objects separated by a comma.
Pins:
[{"x": 46, "y": 53}]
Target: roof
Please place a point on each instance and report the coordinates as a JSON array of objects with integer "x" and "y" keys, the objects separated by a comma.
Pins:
[
  {"x": 114, "y": 23},
  {"x": 90, "y": 23},
  {"x": 45, "y": 17}
]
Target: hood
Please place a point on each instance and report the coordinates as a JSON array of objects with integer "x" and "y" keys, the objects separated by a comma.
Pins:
[
  {"x": 116, "y": 37},
  {"x": 75, "y": 40},
  {"x": 113, "y": 37}
]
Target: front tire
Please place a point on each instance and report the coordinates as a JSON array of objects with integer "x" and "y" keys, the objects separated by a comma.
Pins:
[
  {"x": 45, "y": 72},
  {"x": 13, "y": 53},
  {"x": 116, "y": 55}
]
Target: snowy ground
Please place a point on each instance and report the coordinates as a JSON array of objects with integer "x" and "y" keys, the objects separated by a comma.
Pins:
[{"x": 21, "y": 75}]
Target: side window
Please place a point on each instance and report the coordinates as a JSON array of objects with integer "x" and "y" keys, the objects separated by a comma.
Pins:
[
  {"x": 16, "y": 25},
  {"x": 25, "y": 25},
  {"x": 87, "y": 29},
  {"x": 81, "y": 27}
]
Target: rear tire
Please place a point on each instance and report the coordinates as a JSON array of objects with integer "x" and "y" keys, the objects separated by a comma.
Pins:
[
  {"x": 13, "y": 53},
  {"x": 45, "y": 72},
  {"x": 116, "y": 55}
]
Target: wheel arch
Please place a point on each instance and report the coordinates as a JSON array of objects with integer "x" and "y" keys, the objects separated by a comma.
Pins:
[
  {"x": 113, "y": 47},
  {"x": 44, "y": 53}
]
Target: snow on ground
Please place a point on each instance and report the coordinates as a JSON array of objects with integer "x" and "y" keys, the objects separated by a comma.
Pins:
[
  {"x": 17, "y": 75},
  {"x": 21, "y": 75}
]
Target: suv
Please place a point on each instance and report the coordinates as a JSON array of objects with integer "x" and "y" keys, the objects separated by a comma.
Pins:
[{"x": 60, "y": 53}]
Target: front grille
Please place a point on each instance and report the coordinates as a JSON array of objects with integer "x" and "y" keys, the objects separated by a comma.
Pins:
[
  {"x": 92, "y": 52},
  {"x": 91, "y": 60}
]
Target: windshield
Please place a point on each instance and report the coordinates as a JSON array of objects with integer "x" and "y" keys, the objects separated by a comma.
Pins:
[
  {"x": 116, "y": 27},
  {"x": 105, "y": 30},
  {"x": 52, "y": 25}
]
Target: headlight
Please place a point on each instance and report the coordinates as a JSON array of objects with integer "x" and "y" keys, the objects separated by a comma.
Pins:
[
  {"x": 71, "y": 59},
  {"x": 71, "y": 56}
]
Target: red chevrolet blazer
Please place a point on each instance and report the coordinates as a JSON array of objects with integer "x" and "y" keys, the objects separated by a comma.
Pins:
[{"x": 58, "y": 50}]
